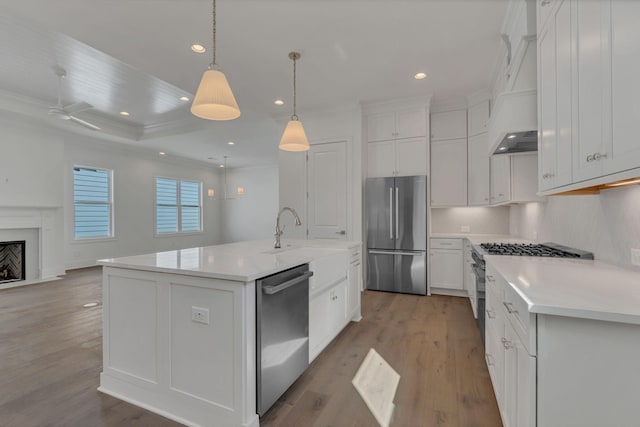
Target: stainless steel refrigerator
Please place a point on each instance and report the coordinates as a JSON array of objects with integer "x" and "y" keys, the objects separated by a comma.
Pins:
[{"x": 396, "y": 215}]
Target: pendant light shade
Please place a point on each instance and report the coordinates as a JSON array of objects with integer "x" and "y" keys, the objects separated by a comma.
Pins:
[
  {"x": 214, "y": 99},
  {"x": 294, "y": 138}
]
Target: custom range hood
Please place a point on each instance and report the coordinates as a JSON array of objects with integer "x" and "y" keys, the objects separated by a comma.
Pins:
[{"x": 513, "y": 126}]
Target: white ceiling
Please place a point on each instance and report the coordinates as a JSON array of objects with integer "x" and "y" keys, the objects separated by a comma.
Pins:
[{"x": 134, "y": 55}]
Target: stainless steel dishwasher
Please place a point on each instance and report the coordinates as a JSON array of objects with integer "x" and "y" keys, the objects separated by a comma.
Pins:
[{"x": 282, "y": 333}]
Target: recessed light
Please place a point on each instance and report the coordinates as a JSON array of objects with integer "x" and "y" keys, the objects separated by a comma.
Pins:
[
  {"x": 124, "y": 113},
  {"x": 198, "y": 48},
  {"x": 221, "y": 166},
  {"x": 90, "y": 304},
  {"x": 184, "y": 99},
  {"x": 231, "y": 143},
  {"x": 420, "y": 76},
  {"x": 162, "y": 153},
  {"x": 502, "y": 148},
  {"x": 278, "y": 102},
  {"x": 511, "y": 136}
]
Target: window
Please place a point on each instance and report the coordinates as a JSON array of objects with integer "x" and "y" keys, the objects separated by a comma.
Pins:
[
  {"x": 93, "y": 203},
  {"x": 178, "y": 206}
]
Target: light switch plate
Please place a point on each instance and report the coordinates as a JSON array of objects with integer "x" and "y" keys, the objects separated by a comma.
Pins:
[
  {"x": 200, "y": 315},
  {"x": 635, "y": 256}
]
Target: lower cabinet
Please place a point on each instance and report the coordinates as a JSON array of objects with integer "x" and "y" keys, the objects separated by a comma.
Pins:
[
  {"x": 446, "y": 264},
  {"x": 327, "y": 316},
  {"x": 355, "y": 284}
]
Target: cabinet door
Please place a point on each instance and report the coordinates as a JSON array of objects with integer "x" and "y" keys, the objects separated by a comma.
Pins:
[
  {"x": 446, "y": 269},
  {"x": 509, "y": 406},
  {"x": 411, "y": 123},
  {"x": 381, "y": 159},
  {"x": 354, "y": 288},
  {"x": 319, "y": 323},
  {"x": 547, "y": 106},
  {"x": 411, "y": 156},
  {"x": 592, "y": 77},
  {"x": 479, "y": 179},
  {"x": 449, "y": 173},
  {"x": 478, "y": 117},
  {"x": 339, "y": 308},
  {"x": 500, "y": 178},
  {"x": 449, "y": 125},
  {"x": 381, "y": 127},
  {"x": 625, "y": 151},
  {"x": 494, "y": 351}
]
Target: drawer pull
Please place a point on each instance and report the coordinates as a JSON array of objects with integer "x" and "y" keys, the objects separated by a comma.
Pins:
[
  {"x": 506, "y": 343},
  {"x": 509, "y": 307},
  {"x": 490, "y": 314},
  {"x": 545, "y": 2},
  {"x": 490, "y": 278}
]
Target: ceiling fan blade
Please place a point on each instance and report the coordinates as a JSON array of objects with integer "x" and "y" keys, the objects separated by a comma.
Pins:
[
  {"x": 83, "y": 123},
  {"x": 77, "y": 107}
]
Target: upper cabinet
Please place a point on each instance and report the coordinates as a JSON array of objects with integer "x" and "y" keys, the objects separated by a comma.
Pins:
[
  {"x": 513, "y": 178},
  {"x": 588, "y": 63},
  {"x": 396, "y": 125},
  {"x": 478, "y": 118},
  {"x": 449, "y": 173},
  {"x": 397, "y": 143},
  {"x": 449, "y": 125},
  {"x": 478, "y": 171}
]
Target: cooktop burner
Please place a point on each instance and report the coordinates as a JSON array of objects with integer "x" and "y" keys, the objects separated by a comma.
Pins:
[{"x": 543, "y": 250}]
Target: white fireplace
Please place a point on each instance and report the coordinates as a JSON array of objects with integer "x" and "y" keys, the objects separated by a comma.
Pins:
[{"x": 41, "y": 230}]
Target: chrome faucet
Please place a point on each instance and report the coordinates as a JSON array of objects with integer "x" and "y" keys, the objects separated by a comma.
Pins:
[{"x": 279, "y": 230}]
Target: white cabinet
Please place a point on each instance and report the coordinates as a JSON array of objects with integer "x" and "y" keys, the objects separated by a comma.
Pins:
[
  {"x": 479, "y": 178},
  {"x": 510, "y": 351},
  {"x": 449, "y": 172},
  {"x": 396, "y": 125},
  {"x": 446, "y": 264},
  {"x": 355, "y": 284},
  {"x": 327, "y": 316},
  {"x": 589, "y": 99},
  {"x": 514, "y": 178},
  {"x": 403, "y": 157},
  {"x": 477, "y": 119},
  {"x": 470, "y": 277},
  {"x": 449, "y": 125},
  {"x": 554, "y": 99}
]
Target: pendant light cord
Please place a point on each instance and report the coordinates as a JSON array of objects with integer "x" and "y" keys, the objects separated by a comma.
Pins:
[
  {"x": 213, "y": 64},
  {"x": 295, "y": 116}
]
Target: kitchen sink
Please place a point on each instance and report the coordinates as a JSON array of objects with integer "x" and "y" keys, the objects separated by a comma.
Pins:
[{"x": 284, "y": 248}]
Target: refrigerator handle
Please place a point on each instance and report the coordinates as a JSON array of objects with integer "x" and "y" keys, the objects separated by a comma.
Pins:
[
  {"x": 391, "y": 213},
  {"x": 397, "y": 217}
]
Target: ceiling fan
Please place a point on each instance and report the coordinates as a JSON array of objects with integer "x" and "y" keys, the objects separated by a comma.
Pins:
[{"x": 66, "y": 112}]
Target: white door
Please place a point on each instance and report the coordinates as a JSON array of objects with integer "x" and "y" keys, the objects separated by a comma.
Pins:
[{"x": 327, "y": 187}]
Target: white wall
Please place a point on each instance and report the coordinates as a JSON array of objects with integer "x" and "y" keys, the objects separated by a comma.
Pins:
[
  {"x": 481, "y": 220},
  {"x": 607, "y": 224},
  {"x": 134, "y": 176},
  {"x": 253, "y": 215}
]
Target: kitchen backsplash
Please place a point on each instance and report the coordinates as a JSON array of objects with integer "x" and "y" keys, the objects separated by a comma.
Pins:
[
  {"x": 480, "y": 220},
  {"x": 607, "y": 224}
]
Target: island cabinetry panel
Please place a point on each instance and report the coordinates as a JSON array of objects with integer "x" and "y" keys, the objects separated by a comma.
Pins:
[
  {"x": 355, "y": 283},
  {"x": 327, "y": 317},
  {"x": 156, "y": 355}
]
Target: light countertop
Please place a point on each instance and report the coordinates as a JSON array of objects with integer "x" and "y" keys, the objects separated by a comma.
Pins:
[
  {"x": 476, "y": 239},
  {"x": 240, "y": 261},
  {"x": 575, "y": 288}
]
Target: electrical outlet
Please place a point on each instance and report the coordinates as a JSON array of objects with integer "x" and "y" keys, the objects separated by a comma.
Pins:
[
  {"x": 635, "y": 256},
  {"x": 200, "y": 315},
  {"x": 465, "y": 229}
]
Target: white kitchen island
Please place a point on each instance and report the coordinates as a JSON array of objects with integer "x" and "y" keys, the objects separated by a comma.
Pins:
[{"x": 179, "y": 327}]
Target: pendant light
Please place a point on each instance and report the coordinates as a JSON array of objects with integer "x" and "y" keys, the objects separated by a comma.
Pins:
[
  {"x": 214, "y": 99},
  {"x": 240, "y": 191},
  {"x": 294, "y": 138}
]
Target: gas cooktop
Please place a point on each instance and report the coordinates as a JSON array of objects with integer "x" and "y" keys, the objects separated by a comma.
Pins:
[{"x": 542, "y": 250}]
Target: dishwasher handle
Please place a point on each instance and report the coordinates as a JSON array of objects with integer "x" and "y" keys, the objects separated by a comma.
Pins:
[{"x": 270, "y": 290}]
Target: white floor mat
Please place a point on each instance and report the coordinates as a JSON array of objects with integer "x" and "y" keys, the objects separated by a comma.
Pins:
[{"x": 376, "y": 381}]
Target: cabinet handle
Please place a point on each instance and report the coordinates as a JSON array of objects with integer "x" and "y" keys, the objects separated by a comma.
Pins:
[
  {"x": 545, "y": 2},
  {"x": 490, "y": 314},
  {"x": 506, "y": 343},
  {"x": 547, "y": 176},
  {"x": 489, "y": 359},
  {"x": 599, "y": 156},
  {"x": 500, "y": 195},
  {"x": 509, "y": 307},
  {"x": 490, "y": 278},
  {"x": 486, "y": 199},
  {"x": 589, "y": 158}
]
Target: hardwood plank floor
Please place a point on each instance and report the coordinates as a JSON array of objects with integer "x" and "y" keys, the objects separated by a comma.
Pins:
[{"x": 51, "y": 358}]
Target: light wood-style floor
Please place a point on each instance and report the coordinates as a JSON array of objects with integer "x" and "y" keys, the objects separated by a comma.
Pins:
[{"x": 50, "y": 361}]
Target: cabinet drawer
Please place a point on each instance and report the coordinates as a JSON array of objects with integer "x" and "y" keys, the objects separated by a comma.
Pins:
[
  {"x": 522, "y": 321},
  {"x": 446, "y": 243},
  {"x": 492, "y": 285}
]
